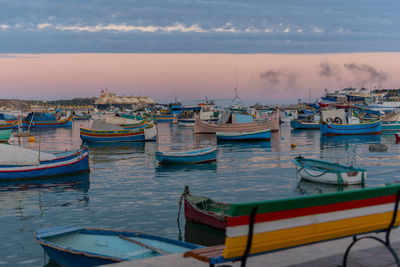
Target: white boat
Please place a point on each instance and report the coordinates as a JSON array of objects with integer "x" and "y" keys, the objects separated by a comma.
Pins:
[{"x": 329, "y": 173}]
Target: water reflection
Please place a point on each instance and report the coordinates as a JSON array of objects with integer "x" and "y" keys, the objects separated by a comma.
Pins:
[
  {"x": 305, "y": 187},
  {"x": 208, "y": 166},
  {"x": 203, "y": 235}
]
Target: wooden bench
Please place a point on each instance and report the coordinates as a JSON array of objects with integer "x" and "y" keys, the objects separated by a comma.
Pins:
[{"x": 262, "y": 227}]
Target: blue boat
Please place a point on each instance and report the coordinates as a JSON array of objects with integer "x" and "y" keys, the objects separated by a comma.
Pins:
[
  {"x": 238, "y": 136},
  {"x": 24, "y": 164},
  {"x": 372, "y": 127},
  {"x": 93, "y": 136},
  {"x": 42, "y": 119},
  {"x": 74, "y": 246},
  {"x": 188, "y": 156},
  {"x": 299, "y": 124}
]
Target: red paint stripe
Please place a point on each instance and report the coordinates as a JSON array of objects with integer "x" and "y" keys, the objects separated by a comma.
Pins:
[
  {"x": 44, "y": 168},
  {"x": 287, "y": 214}
]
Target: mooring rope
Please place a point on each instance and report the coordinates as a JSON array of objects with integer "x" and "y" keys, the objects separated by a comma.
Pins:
[{"x": 383, "y": 173}]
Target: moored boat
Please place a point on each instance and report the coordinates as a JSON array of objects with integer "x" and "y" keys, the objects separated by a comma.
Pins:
[
  {"x": 74, "y": 246},
  {"x": 235, "y": 122},
  {"x": 4, "y": 125},
  {"x": 305, "y": 125},
  {"x": 81, "y": 116},
  {"x": 329, "y": 173},
  {"x": 18, "y": 163},
  {"x": 371, "y": 127},
  {"x": 204, "y": 210},
  {"x": 5, "y": 135},
  {"x": 38, "y": 119},
  {"x": 199, "y": 155},
  {"x": 245, "y": 135}
]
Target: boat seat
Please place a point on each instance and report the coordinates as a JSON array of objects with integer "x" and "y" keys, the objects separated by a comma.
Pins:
[{"x": 134, "y": 253}]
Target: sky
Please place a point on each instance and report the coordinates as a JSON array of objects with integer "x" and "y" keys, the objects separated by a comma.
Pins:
[{"x": 193, "y": 48}]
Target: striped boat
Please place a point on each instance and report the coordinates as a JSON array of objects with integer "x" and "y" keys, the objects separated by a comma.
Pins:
[
  {"x": 163, "y": 117},
  {"x": 293, "y": 222},
  {"x": 299, "y": 124},
  {"x": 373, "y": 127},
  {"x": 88, "y": 135},
  {"x": 27, "y": 164},
  {"x": 329, "y": 173},
  {"x": 67, "y": 122},
  {"x": 9, "y": 125}
]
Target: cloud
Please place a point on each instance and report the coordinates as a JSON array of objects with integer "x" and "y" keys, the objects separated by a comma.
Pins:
[
  {"x": 330, "y": 70},
  {"x": 279, "y": 77},
  {"x": 366, "y": 73}
]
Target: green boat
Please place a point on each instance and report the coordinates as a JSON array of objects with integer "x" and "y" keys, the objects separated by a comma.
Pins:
[{"x": 5, "y": 135}]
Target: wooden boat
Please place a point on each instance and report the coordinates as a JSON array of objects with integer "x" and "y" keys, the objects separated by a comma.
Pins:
[
  {"x": 390, "y": 126},
  {"x": 188, "y": 156},
  {"x": 74, "y": 246},
  {"x": 204, "y": 210},
  {"x": 5, "y": 135},
  {"x": 372, "y": 127},
  {"x": 9, "y": 125},
  {"x": 46, "y": 120},
  {"x": 163, "y": 117},
  {"x": 81, "y": 116},
  {"x": 237, "y": 136},
  {"x": 18, "y": 163},
  {"x": 397, "y": 135},
  {"x": 304, "y": 125},
  {"x": 93, "y": 136},
  {"x": 329, "y": 173},
  {"x": 234, "y": 123},
  {"x": 186, "y": 122}
]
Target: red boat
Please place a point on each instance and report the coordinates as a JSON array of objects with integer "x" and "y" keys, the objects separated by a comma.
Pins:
[
  {"x": 397, "y": 135},
  {"x": 204, "y": 210}
]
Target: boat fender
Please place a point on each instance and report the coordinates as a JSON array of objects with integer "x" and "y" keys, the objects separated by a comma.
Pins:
[{"x": 378, "y": 147}]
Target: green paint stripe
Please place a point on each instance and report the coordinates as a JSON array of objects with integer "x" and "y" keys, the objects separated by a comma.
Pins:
[{"x": 311, "y": 201}]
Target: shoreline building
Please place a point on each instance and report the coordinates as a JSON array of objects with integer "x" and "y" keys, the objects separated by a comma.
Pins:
[{"x": 107, "y": 100}]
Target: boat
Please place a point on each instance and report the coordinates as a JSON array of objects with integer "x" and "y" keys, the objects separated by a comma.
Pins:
[
  {"x": 236, "y": 122},
  {"x": 391, "y": 122},
  {"x": 245, "y": 135},
  {"x": 164, "y": 117},
  {"x": 371, "y": 127},
  {"x": 5, "y": 135},
  {"x": 74, "y": 246},
  {"x": 199, "y": 155},
  {"x": 4, "y": 125},
  {"x": 329, "y": 173},
  {"x": 304, "y": 125},
  {"x": 82, "y": 116},
  {"x": 42, "y": 119},
  {"x": 204, "y": 210},
  {"x": 397, "y": 135},
  {"x": 18, "y": 163}
]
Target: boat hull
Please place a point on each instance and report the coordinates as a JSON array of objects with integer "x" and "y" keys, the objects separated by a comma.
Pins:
[
  {"x": 322, "y": 172},
  {"x": 351, "y": 129},
  {"x": 81, "y": 117},
  {"x": 43, "y": 124},
  {"x": 193, "y": 214},
  {"x": 193, "y": 156},
  {"x": 186, "y": 122},
  {"x": 101, "y": 246},
  {"x": 10, "y": 125},
  {"x": 76, "y": 162},
  {"x": 298, "y": 124},
  {"x": 391, "y": 126},
  {"x": 212, "y": 128},
  {"x": 5, "y": 135},
  {"x": 92, "y": 136},
  {"x": 241, "y": 136}
]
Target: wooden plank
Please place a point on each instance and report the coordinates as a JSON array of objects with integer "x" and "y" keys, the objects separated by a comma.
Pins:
[{"x": 159, "y": 251}]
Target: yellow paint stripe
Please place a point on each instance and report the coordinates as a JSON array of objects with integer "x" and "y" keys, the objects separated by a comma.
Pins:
[{"x": 267, "y": 241}]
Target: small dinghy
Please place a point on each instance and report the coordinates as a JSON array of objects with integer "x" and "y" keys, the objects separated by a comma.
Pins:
[
  {"x": 329, "y": 173},
  {"x": 188, "y": 156},
  {"x": 244, "y": 135},
  {"x": 72, "y": 246}
]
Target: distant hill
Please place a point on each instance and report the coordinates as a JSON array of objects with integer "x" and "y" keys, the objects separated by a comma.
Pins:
[{"x": 25, "y": 105}]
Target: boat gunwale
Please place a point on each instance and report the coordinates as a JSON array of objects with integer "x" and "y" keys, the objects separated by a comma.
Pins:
[
  {"x": 349, "y": 168},
  {"x": 167, "y": 154}
]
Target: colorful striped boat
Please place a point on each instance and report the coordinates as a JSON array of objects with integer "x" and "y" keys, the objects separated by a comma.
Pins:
[
  {"x": 390, "y": 126},
  {"x": 5, "y": 135},
  {"x": 93, "y": 136},
  {"x": 74, "y": 246},
  {"x": 188, "y": 156},
  {"x": 9, "y": 125},
  {"x": 25, "y": 164},
  {"x": 373, "y": 127},
  {"x": 245, "y": 135},
  {"x": 81, "y": 117},
  {"x": 329, "y": 173},
  {"x": 163, "y": 117}
]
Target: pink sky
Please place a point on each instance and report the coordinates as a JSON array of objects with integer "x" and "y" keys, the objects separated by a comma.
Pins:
[{"x": 191, "y": 76}]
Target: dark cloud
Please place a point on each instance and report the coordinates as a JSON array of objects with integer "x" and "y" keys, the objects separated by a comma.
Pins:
[
  {"x": 279, "y": 77},
  {"x": 367, "y": 73}
]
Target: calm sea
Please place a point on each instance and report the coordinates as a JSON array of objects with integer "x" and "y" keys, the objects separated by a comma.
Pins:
[{"x": 127, "y": 189}]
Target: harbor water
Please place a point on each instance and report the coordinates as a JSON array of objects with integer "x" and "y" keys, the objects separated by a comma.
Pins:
[{"x": 127, "y": 189}]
